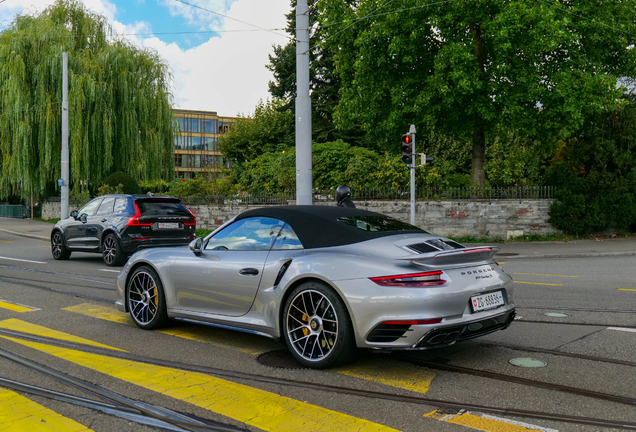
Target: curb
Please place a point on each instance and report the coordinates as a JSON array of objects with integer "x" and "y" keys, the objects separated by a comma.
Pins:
[
  {"x": 569, "y": 255},
  {"x": 26, "y": 235}
]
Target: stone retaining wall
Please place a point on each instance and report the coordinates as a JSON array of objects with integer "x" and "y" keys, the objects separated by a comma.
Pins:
[{"x": 496, "y": 218}]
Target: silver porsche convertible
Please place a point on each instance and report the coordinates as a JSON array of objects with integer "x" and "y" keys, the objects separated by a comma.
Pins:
[{"x": 325, "y": 280}]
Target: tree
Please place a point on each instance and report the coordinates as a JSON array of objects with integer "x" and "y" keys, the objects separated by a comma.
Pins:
[
  {"x": 324, "y": 81},
  {"x": 120, "y": 118},
  {"x": 269, "y": 129},
  {"x": 595, "y": 171},
  {"x": 468, "y": 67}
]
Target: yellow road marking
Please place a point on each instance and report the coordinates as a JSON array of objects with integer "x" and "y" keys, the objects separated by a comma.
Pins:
[
  {"x": 626, "y": 289},
  {"x": 539, "y": 274},
  {"x": 34, "y": 329},
  {"x": 255, "y": 407},
  {"x": 538, "y": 283},
  {"x": 218, "y": 337},
  {"x": 46, "y": 246},
  {"x": 16, "y": 307},
  {"x": 6, "y": 241},
  {"x": 391, "y": 373},
  {"x": 19, "y": 413},
  {"x": 486, "y": 422}
]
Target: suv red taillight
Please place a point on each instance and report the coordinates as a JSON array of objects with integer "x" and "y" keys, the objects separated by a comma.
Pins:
[
  {"x": 195, "y": 218},
  {"x": 411, "y": 280},
  {"x": 134, "y": 219}
]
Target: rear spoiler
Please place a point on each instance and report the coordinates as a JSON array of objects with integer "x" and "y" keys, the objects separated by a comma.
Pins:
[{"x": 453, "y": 257}]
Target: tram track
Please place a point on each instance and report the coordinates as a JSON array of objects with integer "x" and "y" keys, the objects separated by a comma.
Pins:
[
  {"x": 419, "y": 400},
  {"x": 523, "y": 320},
  {"x": 55, "y": 290},
  {"x": 627, "y": 311},
  {"x": 559, "y": 353}
]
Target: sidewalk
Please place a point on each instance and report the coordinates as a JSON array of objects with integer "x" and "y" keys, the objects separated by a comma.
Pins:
[
  {"x": 516, "y": 250},
  {"x": 27, "y": 228}
]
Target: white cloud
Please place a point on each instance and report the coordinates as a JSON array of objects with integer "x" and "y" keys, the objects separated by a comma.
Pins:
[{"x": 226, "y": 74}]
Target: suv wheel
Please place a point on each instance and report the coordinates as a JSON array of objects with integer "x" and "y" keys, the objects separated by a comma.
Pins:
[
  {"x": 58, "y": 248},
  {"x": 112, "y": 253}
]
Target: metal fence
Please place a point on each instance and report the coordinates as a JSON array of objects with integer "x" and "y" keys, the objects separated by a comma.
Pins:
[{"x": 445, "y": 194}]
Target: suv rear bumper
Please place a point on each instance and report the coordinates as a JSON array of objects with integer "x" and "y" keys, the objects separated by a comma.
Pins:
[{"x": 133, "y": 246}]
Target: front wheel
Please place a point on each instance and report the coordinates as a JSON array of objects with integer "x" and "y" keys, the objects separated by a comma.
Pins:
[
  {"x": 145, "y": 298},
  {"x": 58, "y": 248},
  {"x": 112, "y": 253},
  {"x": 317, "y": 328}
]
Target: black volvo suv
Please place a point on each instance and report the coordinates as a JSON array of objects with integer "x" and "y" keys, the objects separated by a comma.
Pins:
[{"x": 118, "y": 225}]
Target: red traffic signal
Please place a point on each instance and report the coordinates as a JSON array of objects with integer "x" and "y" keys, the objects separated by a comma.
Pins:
[{"x": 407, "y": 149}]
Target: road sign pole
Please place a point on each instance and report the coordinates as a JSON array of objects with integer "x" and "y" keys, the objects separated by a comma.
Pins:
[
  {"x": 412, "y": 167},
  {"x": 64, "y": 180},
  {"x": 303, "y": 107}
]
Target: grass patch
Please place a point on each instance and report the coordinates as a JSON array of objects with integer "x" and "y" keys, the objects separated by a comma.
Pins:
[
  {"x": 53, "y": 221},
  {"x": 202, "y": 232}
]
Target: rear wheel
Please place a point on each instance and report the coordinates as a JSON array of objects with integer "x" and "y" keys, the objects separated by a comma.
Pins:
[
  {"x": 145, "y": 298},
  {"x": 58, "y": 248},
  {"x": 112, "y": 253},
  {"x": 317, "y": 328}
]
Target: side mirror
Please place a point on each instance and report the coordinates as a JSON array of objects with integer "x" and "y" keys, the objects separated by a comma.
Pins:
[
  {"x": 74, "y": 214},
  {"x": 83, "y": 217},
  {"x": 196, "y": 245}
]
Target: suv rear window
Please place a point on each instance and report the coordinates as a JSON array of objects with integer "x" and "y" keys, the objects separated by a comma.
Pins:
[
  {"x": 377, "y": 223},
  {"x": 162, "y": 208}
]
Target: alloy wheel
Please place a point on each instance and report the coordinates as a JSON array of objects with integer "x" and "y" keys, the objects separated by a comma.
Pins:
[
  {"x": 312, "y": 325},
  {"x": 110, "y": 249},
  {"x": 57, "y": 245},
  {"x": 142, "y": 298}
]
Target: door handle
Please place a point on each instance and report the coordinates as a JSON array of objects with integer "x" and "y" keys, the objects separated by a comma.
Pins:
[
  {"x": 248, "y": 272},
  {"x": 104, "y": 220}
]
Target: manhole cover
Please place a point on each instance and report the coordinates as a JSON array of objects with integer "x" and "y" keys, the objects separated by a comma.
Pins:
[
  {"x": 557, "y": 314},
  {"x": 282, "y": 359},
  {"x": 527, "y": 362},
  {"x": 503, "y": 254}
]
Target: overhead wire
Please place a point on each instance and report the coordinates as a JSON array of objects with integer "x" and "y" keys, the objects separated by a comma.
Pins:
[
  {"x": 553, "y": 6},
  {"x": 372, "y": 15},
  {"x": 233, "y": 19}
]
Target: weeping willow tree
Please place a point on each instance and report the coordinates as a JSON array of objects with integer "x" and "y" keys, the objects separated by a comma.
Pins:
[{"x": 120, "y": 118}]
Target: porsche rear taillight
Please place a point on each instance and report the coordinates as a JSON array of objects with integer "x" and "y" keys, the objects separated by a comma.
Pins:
[
  {"x": 134, "y": 219},
  {"x": 433, "y": 278}
]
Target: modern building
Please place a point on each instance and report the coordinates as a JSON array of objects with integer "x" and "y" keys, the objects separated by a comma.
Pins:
[{"x": 196, "y": 142}]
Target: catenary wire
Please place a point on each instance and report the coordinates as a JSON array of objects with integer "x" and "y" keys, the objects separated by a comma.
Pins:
[
  {"x": 585, "y": 18},
  {"x": 233, "y": 19}
]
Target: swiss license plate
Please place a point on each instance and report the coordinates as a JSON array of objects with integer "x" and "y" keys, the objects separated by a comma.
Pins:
[
  {"x": 168, "y": 225},
  {"x": 487, "y": 301}
]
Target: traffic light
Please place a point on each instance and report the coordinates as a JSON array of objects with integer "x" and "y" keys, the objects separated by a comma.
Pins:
[{"x": 407, "y": 149}]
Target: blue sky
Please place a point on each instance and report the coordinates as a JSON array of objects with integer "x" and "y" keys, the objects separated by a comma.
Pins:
[
  {"x": 223, "y": 72},
  {"x": 170, "y": 16}
]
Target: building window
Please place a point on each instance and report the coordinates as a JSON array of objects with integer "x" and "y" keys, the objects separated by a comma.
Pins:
[
  {"x": 210, "y": 126},
  {"x": 211, "y": 143}
]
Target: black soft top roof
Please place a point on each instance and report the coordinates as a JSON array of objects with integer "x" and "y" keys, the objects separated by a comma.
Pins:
[{"x": 318, "y": 226}]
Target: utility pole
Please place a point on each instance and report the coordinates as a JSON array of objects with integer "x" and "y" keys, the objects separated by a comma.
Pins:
[
  {"x": 303, "y": 107},
  {"x": 412, "y": 132},
  {"x": 63, "y": 182}
]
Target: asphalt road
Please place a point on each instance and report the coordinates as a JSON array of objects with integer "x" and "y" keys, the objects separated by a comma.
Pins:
[{"x": 71, "y": 302}]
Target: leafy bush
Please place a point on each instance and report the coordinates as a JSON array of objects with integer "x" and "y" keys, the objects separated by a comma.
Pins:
[
  {"x": 156, "y": 187},
  {"x": 128, "y": 184},
  {"x": 201, "y": 186},
  {"x": 334, "y": 163},
  {"x": 596, "y": 175}
]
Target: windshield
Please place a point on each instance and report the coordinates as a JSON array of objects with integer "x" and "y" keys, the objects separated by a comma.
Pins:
[{"x": 378, "y": 223}]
